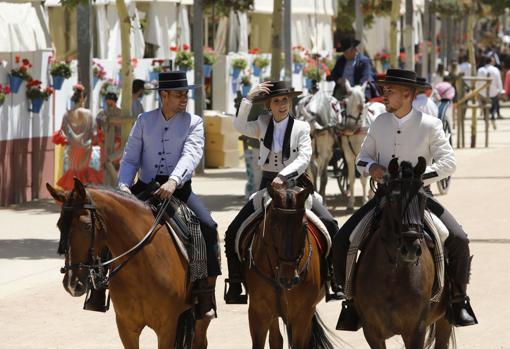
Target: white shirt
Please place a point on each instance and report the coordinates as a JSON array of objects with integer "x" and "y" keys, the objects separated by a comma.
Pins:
[
  {"x": 465, "y": 67},
  {"x": 418, "y": 135},
  {"x": 490, "y": 71},
  {"x": 279, "y": 134},
  {"x": 425, "y": 104}
]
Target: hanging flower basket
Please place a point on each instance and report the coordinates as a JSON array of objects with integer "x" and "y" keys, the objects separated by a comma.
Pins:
[
  {"x": 36, "y": 105},
  {"x": 259, "y": 63},
  {"x": 238, "y": 64},
  {"x": 184, "y": 58},
  {"x": 245, "y": 85},
  {"x": 19, "y": 74},
  {"x": 298, "y": 67},
  {"x": 207, "y": 70},
  {"x": 209, "y": 60},
  {"x": 98, "y": 72},
  {"x": 4, "y": 91},
  {"x": 15, "y": 83},
  {"x": 59, "y": 72},
  {"x": 153, "y": 76}
]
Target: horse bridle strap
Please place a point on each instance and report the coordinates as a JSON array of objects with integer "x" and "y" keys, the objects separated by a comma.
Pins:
[{"x": 129, "y": 253}]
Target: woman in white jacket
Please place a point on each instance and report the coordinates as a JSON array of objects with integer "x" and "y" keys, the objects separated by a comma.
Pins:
[{"x": 285, "y": 152}]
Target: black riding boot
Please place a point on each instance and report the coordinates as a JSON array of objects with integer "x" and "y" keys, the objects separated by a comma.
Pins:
[
  {"x": 461, "y": 312},
  {"x": 336, "y": 293},
  {"x": 235, "y": 289},
  {"x": 96, "y": 300},
  {"x": 205, "y": 299}
]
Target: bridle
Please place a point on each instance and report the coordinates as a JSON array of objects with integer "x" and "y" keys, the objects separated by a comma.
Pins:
[
  {"x": 99, "y": 272},
  {"x": 294, "y": 263}
]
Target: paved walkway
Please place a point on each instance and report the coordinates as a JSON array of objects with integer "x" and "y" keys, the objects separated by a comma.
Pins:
[{"x": 36, "y": 312}]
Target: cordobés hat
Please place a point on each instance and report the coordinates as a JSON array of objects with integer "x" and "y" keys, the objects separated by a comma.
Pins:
[
  {"x": 424, "y": 84},
  {"x": 347, "y": 43},
  {"x": 400, "y": 77},
  {"x": 174, "y": 80},
  {"x": 277, "y": 88}
]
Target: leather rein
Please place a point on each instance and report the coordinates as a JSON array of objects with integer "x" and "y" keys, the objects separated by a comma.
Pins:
[{"x": 98, "y": 270}]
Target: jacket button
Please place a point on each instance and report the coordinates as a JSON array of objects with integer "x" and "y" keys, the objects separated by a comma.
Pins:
[
  {"x": 166, "y": 128},
  {"x": 293, "y": 150},
  {"x": 162, "y": 159},
  {"x": 156, "y": 166},
  {"x": 159, "y": 153},
  {"x": 398, "y": 131},
  {"x": 393, "y": 155}
]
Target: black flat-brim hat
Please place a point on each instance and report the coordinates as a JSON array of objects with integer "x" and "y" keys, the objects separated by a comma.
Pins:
[
  {"x": 173, "y": 81},
  {"x": 347, "y": 43},
  {"x": 399, "y": 77},
  {"x": 424, "y": 84},
  {"x": 277, "y": 88}
]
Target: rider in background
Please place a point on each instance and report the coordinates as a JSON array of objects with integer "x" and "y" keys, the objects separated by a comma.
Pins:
[
  {"x": 423, "y": 100},
  {"x": 285, "y": 152},
  {"x": 406, "y": 134},
  {"x": 166, "y": 145},
  {"x": 352, "y": 66}
]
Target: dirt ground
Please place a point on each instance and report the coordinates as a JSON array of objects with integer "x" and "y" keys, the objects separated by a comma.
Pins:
[{"x": 36, "y": 312}]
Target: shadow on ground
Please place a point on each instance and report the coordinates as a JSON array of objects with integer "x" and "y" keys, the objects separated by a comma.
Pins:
[
  {"x": 29, "y": 249},
  {"x": 223, "y": 202},
  {"x": 37, "y": 207}
]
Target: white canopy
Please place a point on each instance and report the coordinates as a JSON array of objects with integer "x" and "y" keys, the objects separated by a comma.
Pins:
[
  {"x": 309, "y": 7},
  {"x": 23, "y": 27}
]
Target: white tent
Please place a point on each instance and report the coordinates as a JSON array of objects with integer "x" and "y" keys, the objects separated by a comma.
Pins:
[{"x": 23, "y": 27}]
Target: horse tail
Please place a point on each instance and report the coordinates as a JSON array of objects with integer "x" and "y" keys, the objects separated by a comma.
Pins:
[
  {"x": 185, "y": 330},
  {"x": 322, "y": 337},
  {"x": 431, "y": 336}
]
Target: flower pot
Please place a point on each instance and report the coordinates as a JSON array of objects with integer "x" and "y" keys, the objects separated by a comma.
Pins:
[
  {"x": 57, "y": 81},
  {"x": 119, "y": 78},
  {"x": 257, "y": 71},
  {"x": 36, "y": 105},
  {"x": 245, "y": 89},
  {"x": 15, "y": 83},
  {"x": 308, "y": 83},
  {"x": 297, "y": 68},
  {"x": 235, "y": 73},
  {"x": 94, "y": 81},
  {"x": 207, "y": 70},
  {"x": 153, "y": 76}
]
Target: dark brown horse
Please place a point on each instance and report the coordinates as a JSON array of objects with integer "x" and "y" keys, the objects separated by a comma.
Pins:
[
  {"x": 394, "y": 281},
  {"x": 283, "y": 274},
  {"x": 152, "y": 289}
]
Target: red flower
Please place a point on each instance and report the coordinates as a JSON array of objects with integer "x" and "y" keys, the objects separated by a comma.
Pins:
[
  {"x": 7, "y": 90},
  {"x": 18, "y": 58},
  {"x": 26, "y": 61},
  {"x": 185, "y": 47},
  {"x": 49, "y": 90},
  {"x": 253, "y": 51},
  {"x": 173, "y": 48}
]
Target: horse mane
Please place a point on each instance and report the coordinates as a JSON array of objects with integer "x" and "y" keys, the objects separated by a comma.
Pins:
[{"x": 120, "y": 194}]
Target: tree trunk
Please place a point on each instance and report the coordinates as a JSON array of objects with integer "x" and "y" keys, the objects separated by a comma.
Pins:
[
  {"x": 198, "y": 43},
  {"x": 409, "y": 44},
  {"x": 126, "y": 71},
  {"x": 395, "y": 16},
  {"x": 276, "y": 41},
  {"x": 84, "y": 42},
  {"x": 287, "y": 40}
]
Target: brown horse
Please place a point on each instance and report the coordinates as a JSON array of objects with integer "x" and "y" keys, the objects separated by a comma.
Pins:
[
  {"x": 152, "y": 289},
  {"x": 394, "y": 281},
  {"x": 283, "y": 274}
]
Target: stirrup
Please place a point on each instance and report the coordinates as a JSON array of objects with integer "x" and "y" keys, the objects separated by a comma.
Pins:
[
  {"x": 204, "y": 296},
  {"x": 456, "y": 308},
  {"x": 96, "y": 300},
  {"x": 239, "y": 299},
  {"x": 334, "y": 293}
]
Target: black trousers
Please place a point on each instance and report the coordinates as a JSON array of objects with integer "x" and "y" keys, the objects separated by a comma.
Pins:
[
  {"x": 457, "y": 243},
  {"x": 207, "y": 225}
]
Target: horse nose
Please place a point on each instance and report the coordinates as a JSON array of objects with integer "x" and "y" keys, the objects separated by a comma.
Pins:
[{"x": 79, "y": 287}]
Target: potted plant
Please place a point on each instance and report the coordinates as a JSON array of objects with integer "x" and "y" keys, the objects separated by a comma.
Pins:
[
  {"x": 184, "y": 58},
  {"x": 19, "y": 74},
  {"x": 134, "y": 63},
  {"x": 238, "y": 64},
  {"x": 297, "y": 58},
  {"x": 157, "y": 67},
  {"x": 4, "y": 91},
  {"x": 37, "y": 94},
  {"x": 105, "y": 87},
  {"x": 259, "y": 63},
  {"x": 209, "y": 59},
  {"x": 59, "y": 72},
  {"x": 245, "y": 84},
  {"x": 311, "y": 72},
  {"x": 98, "y": 72}
]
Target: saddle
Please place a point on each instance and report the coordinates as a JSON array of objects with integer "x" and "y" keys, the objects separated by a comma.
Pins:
[
  {"x": 262, "y": 200},
  {"x": 184, "y": 227}
]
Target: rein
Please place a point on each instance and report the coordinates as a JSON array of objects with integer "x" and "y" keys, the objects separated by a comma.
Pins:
[{"x": 97, "y": 268}]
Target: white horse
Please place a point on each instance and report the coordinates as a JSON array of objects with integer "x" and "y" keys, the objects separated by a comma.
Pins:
[
  {"x": 358, "y": 118},
  {"x": 323, "y": 112}
]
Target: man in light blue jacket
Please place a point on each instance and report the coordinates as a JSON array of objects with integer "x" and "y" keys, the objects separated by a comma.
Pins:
[{"x": 165, "y": 145}]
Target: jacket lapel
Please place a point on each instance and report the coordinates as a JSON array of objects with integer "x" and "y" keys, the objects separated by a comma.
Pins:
[
  {"x": 286, "y": 139},
  {"x": 268, "y": 138}
]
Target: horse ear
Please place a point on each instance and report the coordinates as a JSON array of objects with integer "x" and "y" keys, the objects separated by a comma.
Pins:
[
  {"x": 79, "y": 188},
  {"x": 420, "y": 167},
  {"x": 364, "y": 86},
  {"x": 57, "y": 194},
  {"x": 393, "y": 168},
  {"x": 348, "y": 87}
]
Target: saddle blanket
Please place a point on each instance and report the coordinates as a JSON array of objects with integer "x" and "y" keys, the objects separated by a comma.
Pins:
[
  {"x": 362, "y": 231},
  {"x": 262, "y": 200}
]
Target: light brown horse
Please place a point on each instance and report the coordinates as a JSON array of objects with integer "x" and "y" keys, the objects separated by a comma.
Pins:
[
  {"x": 152, "y": 289},
  {"x": 284, "y": 274},
  {"x": 394, "y": 281}
]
